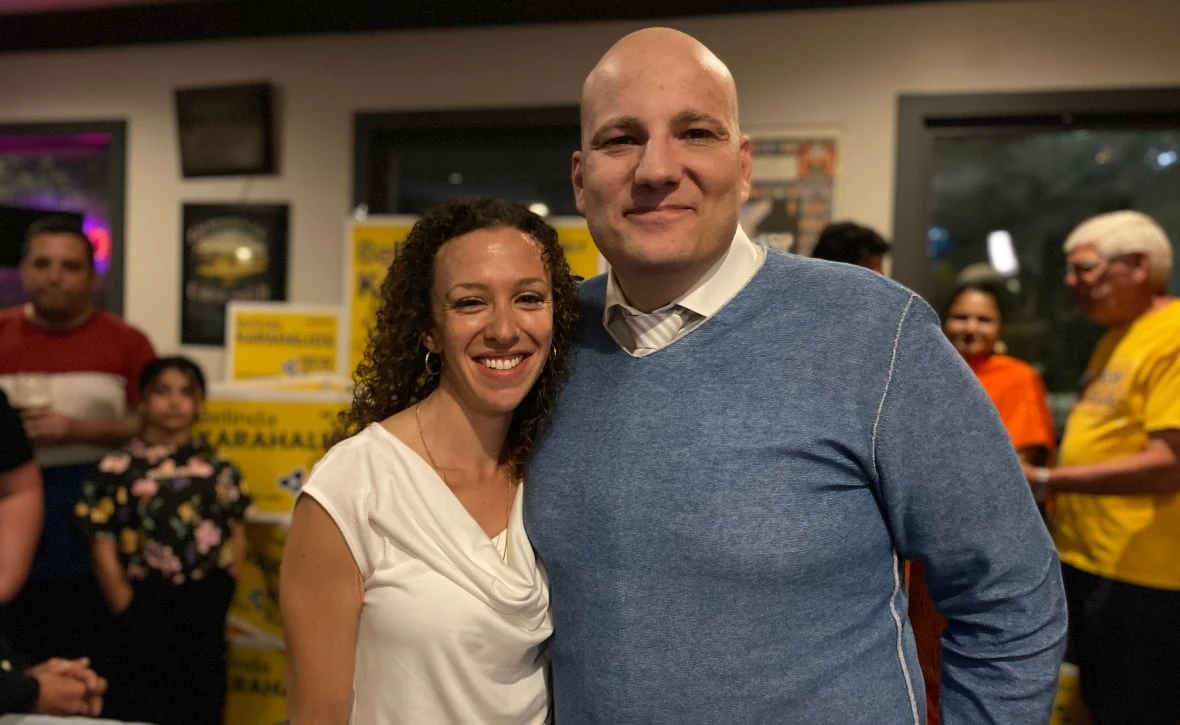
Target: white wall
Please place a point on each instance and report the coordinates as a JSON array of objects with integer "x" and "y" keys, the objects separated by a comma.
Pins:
[{"x": 840, "y": 69}]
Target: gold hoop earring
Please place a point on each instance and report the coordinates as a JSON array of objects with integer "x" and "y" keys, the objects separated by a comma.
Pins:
[{"x": 426, "y": 363}]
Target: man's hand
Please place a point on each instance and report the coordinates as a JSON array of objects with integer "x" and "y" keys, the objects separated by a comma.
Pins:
[
  {"x": 46, "y": 426},
  {"x": 1038, "y": 479},
  {"x": 68, "y": 687},
  {"x": 1030, "y": 472}
]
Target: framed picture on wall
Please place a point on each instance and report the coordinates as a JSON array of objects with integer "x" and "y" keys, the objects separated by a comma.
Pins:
[
  {"x": 793, "y": 189},
  {"x": 231, "y": 252},
  {"x": 226, "y": 130}
]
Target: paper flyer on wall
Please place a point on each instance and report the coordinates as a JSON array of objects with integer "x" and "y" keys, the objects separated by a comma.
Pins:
[{"x": 275, "y": 340}]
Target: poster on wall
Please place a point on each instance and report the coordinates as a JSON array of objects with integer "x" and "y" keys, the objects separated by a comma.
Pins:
[
  {"x": 254, "y": 610},
  {"x": 792, "y": 190},
  {"x": 256, "y": 684},
  {"x": 274, "y": 340},
  {"x": 273, "y": 437},
  {"x": 371, "y": 246},
  {"x": 231, "y": 252}
]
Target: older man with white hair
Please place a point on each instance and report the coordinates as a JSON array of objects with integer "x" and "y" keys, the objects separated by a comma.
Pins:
[{"x": 1117, "y": 520}]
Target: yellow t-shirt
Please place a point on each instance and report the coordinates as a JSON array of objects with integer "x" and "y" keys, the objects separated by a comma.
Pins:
[{"x": 1133, "y": 390}]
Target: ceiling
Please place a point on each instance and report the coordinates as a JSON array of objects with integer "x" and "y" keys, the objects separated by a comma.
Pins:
[
  {"x": 57, "y": 24},
  {"x": 21, "y": 7}
]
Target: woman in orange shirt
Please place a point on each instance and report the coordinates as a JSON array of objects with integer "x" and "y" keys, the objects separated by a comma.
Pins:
[{"x": 972, "y": 321}]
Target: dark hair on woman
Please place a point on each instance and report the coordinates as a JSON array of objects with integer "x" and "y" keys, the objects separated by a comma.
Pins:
[
  {"x": 153, "y": 370},
  {"x": 393, "y": 374},
  {"x": 988, "y": 287}
]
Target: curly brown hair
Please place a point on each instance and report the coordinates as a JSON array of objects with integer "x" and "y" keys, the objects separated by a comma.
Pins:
[{"x": 393, "y": 375}]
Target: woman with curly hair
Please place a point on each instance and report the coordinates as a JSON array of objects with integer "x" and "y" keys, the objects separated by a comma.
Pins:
[{"x": 409, "y": 590}]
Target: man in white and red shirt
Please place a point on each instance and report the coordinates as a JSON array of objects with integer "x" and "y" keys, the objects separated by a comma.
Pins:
[{"x": 86, "y": 365}]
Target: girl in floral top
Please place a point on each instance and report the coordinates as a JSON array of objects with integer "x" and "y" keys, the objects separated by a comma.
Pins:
[{"x": 164, "y": 516}]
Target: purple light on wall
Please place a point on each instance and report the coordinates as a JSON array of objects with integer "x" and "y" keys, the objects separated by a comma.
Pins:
[
  {"x": 83, "y": 142},
  {"x": 46, "y": 201},
  {"x": 99, "y": 233}
]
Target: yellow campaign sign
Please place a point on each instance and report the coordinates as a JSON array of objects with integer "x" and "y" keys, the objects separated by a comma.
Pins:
[
  {"x": 372, "y": 244},
  {"x": 256, "y": 686},
  {"x": 276, "y": 339},
  {"x": 254, "y": 610},
  {"x": 580, "y": 252},
  {"x": 273, "y": 437}
]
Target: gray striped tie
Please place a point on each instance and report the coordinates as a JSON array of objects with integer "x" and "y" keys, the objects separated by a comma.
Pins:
[{"x": 655, "y": 330}]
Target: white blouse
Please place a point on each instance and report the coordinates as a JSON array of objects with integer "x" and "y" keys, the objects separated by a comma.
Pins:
[{"x": 449, "y": 632}]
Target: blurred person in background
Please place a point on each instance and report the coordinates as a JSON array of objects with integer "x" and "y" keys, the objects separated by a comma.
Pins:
[
  {"x": 1116, "y": 519},
  {"x": 165, "y": 519},
  {"x": 56, "y": 686},
  {"x": 22, "y": 507},
  {"x": 72, "y": 369},
  {"x": 973, "y": 321},
  {"x": 852, "y": 243}
]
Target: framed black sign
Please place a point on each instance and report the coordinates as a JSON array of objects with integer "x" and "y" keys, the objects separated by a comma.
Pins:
[{"x": 231, "y": 252}]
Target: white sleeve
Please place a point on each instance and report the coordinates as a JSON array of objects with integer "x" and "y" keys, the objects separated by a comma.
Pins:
[{"x": 342, "y": 483}]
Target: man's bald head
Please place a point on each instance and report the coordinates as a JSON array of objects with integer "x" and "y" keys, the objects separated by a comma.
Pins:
[
  {"x": 656, "y": 51},
  {"x": 663, "y": 168}
]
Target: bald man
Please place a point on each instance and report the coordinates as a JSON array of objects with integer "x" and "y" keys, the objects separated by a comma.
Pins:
[{"x": 751, "y": 443}]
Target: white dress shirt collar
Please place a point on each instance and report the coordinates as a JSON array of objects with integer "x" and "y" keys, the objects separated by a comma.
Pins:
[
  {"x": 709, "y": 294},
  {"x": 719, "y": 285}
]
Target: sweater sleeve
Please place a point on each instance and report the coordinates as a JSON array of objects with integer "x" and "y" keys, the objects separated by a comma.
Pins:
[
  {"x": 956, "y": 499},
  {"x": 18, "y": 690}
]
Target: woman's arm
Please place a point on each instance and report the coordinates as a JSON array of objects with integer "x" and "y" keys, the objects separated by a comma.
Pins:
[
  {"x": 21, "y": 513},
  {"x": 1033, "y": 455},
  {"x": 320, "y": 596},
  {"x": 238, "y": 542}
]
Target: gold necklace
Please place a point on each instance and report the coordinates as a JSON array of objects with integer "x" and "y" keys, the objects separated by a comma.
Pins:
[
  {"x": 443, "y": 475},
  {"x": 418, "y": 418}
]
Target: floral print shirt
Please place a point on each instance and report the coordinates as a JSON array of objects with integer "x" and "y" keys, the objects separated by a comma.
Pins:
[{"x": 168, "y": 509}]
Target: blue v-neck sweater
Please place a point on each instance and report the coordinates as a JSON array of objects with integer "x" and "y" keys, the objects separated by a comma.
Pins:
[{"x": 722, "y": 521}]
